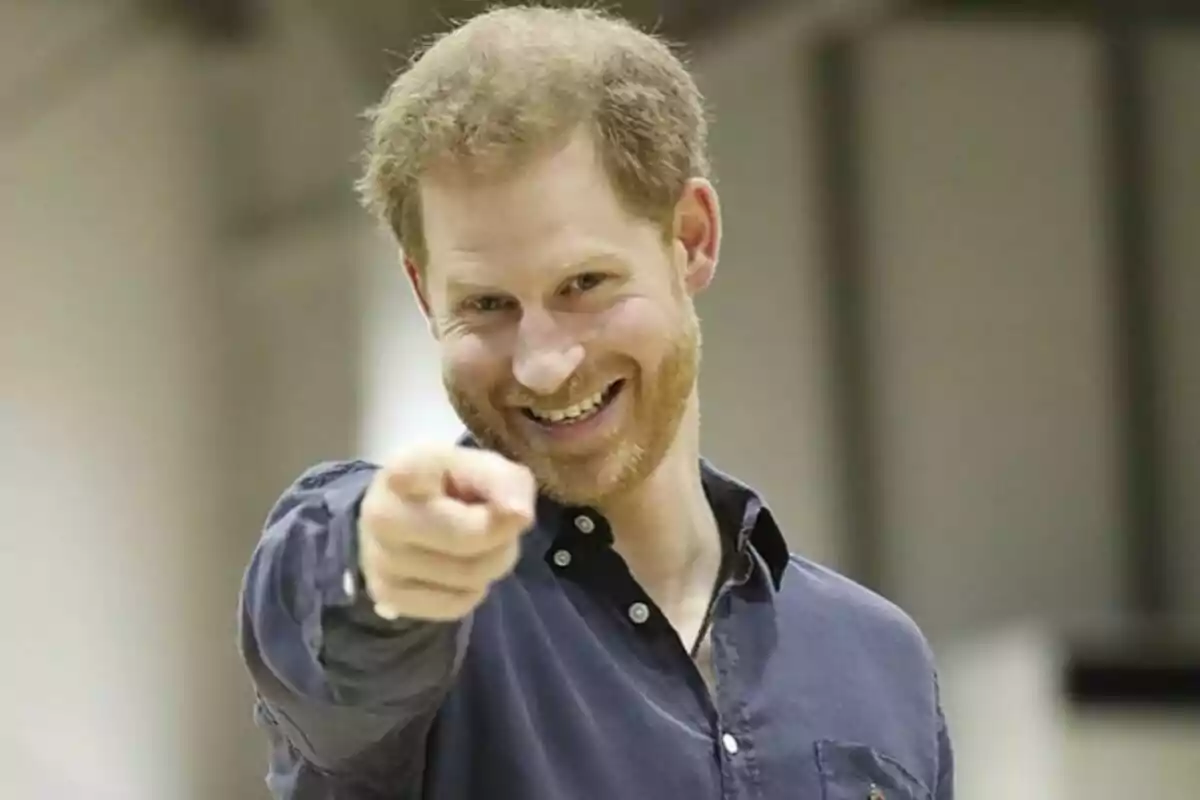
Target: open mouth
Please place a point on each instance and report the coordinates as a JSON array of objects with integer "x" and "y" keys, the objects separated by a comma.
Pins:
[{"x": 580, "y": 412}]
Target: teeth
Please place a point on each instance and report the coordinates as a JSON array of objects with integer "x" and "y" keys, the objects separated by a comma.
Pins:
[{"x": 573, "y": 412}]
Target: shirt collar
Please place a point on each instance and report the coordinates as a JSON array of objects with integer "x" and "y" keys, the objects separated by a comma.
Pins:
[
  {"x": 745, "y": 519},
  {"x": 742, "y": 517}
]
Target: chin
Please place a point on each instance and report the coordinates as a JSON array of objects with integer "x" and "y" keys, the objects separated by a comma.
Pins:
[
  {"x": 572, "y": 479},
  {"x": 592, "y": 480}
]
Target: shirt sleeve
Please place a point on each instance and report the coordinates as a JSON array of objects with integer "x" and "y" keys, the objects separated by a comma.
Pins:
[
  {"x": 345, "y": 697},
  {"x": 945, "y": 755}
]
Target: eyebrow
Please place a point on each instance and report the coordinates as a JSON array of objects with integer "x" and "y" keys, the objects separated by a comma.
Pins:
[{"x": 458, "y": 287}]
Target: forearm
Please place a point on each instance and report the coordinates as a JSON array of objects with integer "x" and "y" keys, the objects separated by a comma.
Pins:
[
  {"x": 332, "y": 677},
  {"x": 371, "y": 687}
]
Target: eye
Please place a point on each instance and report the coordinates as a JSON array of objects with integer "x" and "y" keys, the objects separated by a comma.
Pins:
[
  {"x": 487, "y": 304},
  {"x": 584, "y": 283}
]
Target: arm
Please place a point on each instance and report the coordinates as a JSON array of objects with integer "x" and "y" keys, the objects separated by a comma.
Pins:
[{"x": 333, "y": 681}]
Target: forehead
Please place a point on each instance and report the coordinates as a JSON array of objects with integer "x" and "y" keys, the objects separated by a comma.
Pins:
[{"x": 556, "y": 209}]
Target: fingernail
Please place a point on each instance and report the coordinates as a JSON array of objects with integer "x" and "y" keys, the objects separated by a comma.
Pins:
[{"x": 386, "y": 612}]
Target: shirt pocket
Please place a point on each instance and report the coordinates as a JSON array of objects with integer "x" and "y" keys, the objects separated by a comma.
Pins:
[{"x": 852, "y": 771}]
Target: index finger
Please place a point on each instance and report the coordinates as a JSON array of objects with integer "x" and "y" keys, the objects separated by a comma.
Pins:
[{"x": 419, "y": 475}]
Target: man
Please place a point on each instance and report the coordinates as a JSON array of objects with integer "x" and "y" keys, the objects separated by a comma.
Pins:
[{"x": 570, "y": 603}]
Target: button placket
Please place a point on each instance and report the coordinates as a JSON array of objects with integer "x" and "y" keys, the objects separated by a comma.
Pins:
[{"x": 637, "y": 611}]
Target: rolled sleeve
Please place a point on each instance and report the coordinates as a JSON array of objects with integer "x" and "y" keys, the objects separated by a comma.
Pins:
[
  {"x": 299, "y": 570},
  {"x": 334, "y": 681}
]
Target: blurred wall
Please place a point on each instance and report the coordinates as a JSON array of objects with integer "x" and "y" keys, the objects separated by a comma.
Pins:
[
  {"x": 1016, "y": 735},
  {"x": 1102, "y": 745},
  {"x": 109, "y": 453},
  {"x": 1174, "y": 98},
  {"x": 284, "y": 107},
  {"x": 991, "y": 323},
  {"x": 991, "y": 330}
]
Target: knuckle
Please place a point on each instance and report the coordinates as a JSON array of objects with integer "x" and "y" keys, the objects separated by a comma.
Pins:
[
  {"x": 413, "y": 564},
  {"x": 464, "y": 574},
  {"x": 441, "y": 575},
  {"x": 480, "y": 572},
  {"x": 387, "y": 568},
  {"x": 378, "y": 588},
  {"x": 368, "y": 555},
  {"x": 376, "y": 571},
  {"x": 374, "y": 519},
  {"x": 370, "y": 511}
]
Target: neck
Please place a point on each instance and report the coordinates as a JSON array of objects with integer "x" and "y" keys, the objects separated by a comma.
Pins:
[{"x": 665, "y": 529}]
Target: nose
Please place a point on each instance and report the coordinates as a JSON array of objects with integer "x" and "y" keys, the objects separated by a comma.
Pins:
[{"x": 546, "y": 356}]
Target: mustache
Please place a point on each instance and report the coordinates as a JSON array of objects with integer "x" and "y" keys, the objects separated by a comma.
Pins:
[{"x": 577, "y": 388}]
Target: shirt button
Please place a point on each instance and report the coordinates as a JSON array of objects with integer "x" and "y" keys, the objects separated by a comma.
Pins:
[
  {"x": 639, "y": 613},
  {"x": 562, "y": 558},
  {"x": 730, "y": 744},
  {"x": 348, "y": 584},
  {"x": 584, "y": 524}
]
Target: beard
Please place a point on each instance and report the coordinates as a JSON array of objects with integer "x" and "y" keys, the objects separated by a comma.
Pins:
[{"x": 654, "y": 408}]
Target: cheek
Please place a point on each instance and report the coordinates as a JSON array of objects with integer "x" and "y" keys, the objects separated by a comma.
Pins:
[
  {"x": 641, "y": 330},
  {"x": 471, "y": 364}
]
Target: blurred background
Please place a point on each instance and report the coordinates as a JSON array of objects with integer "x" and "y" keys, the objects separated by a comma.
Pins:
[{"x": 955, "y": 340}]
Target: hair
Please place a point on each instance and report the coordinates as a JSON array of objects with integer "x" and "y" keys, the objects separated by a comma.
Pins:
[{"x": 512, "y": 83}]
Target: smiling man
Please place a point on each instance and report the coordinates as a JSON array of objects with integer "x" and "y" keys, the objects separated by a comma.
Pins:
[{"x": 570, "y": 602}]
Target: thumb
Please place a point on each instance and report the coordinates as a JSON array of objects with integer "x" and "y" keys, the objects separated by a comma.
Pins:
[{"x": 481, "y": 476}]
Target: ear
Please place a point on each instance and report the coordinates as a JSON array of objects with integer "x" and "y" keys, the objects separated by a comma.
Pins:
[
  {"x": 416, "y": 279},
  {"x": 697, "y": 232}
]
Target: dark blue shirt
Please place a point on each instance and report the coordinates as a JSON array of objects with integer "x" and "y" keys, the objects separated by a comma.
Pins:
[{"x": 567, "y": 682}]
